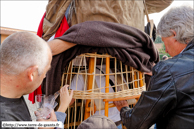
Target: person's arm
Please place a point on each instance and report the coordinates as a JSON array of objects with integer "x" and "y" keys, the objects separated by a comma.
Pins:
[
  {"x": 61, "y": 116},
  {"x": 65, "y": 99},
  {"x": 154, "y": 103},
  {"x": 58, "y": 46}
]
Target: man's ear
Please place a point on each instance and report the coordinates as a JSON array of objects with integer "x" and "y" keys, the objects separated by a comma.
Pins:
[
  {"x": 31, "y": 72},
  {"x": 174, "y": 35},
  {"x": 174, "y": 32}
]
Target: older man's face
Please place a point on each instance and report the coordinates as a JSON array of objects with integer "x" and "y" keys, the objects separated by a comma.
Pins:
[{"x": 170, "y": 45}]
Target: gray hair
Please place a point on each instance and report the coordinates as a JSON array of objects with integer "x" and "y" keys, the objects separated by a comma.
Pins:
[
  {"x": 181, "y": 20},
  {"x": 22, "y": 50}
]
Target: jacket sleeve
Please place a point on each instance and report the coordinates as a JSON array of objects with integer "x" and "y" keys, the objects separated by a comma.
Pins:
[
  {"x": 61, "y": 116},
  {"x": 153, "y": 104}
]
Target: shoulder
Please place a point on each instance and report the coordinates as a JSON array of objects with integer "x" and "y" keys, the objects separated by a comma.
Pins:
[
  {"x": 162, "y": 67},
  {"x": 181, "y": 64},
  {"x": 169, "y": 70},
  {"x": 176, "y": 65},
  {"x": 162, "y": 76}
]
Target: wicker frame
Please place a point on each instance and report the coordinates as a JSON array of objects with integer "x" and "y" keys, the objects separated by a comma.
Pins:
[{"x": 134, "y": 80}]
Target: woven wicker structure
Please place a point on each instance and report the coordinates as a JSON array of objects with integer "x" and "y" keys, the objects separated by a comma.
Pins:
[{"x": 128, "y": 85}]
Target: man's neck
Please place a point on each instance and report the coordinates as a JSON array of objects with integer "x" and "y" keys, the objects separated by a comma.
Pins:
[
  {"x": 8, "y": 93},
  {"x": 181, "y": 47},
  {"x": 10, "y": 87}
]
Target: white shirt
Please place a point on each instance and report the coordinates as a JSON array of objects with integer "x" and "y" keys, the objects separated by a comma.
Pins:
[
  {"x": 182, "y": 50},
  {"x": 113, "y": 113}
]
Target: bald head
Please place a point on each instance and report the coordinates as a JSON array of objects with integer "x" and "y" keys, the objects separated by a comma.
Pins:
[{"x": 22, "y": 50}]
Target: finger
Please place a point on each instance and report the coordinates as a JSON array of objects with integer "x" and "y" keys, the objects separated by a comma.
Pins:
[
  {"x": 38, "y": 117},
  {"x": 36, "y": 113},
  {"x": 52, "y": 112},
  {"x": 115, "y": 102},
  {"x": 126, "y": 102},
  {"x": 122, "y": 102},
  {"x": 61, "y": 90},
  {"x": 53, "y": 116},
  {"x": 66, "y": 89},
  {"x": 71, "y": 94},
  {"x": 150, "y": 73},
  {"x": 66, "y": 86}
]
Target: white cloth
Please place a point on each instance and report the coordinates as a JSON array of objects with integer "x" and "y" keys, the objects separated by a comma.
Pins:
[
  {"x": 113, "y": 113},
  {"x": 51, "y": 38},
  {"x": 182, "y": 50}
]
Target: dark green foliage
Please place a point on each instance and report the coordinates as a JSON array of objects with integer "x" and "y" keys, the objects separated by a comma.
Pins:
[
  {"x": 158, "y": 40},
  {"x": 162, "y": 52}
]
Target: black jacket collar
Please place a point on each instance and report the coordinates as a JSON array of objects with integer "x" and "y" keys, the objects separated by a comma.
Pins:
[{"x": 190, "y": 45}]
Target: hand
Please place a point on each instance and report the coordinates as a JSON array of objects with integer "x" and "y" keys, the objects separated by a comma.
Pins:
[
  {"x": 149, "y": 73},
  {"x": 65, "y": 98},
  {"x": 120, "y": 104},
  {"x": 52, "y": 118}
]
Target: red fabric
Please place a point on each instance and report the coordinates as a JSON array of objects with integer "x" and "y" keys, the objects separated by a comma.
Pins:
[
  {"x": 40, "y": 27},
  {"x": 61, "y": 30}
]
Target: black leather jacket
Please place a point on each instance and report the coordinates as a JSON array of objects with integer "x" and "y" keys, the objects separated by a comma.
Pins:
[{"x": 169, "y": 101}]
